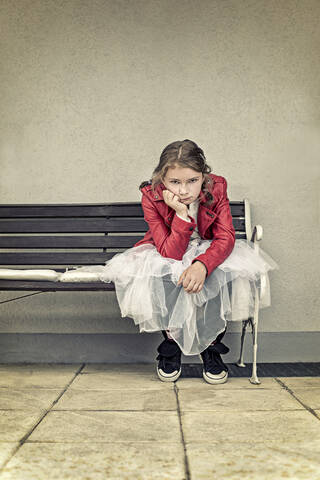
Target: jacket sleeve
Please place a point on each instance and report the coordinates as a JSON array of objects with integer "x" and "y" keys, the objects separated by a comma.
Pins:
[
  {"x": 223, "y": 234},
  {"x": 170, "y": 241}
]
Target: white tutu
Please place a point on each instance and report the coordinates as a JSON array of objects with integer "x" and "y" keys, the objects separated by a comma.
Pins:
[{"x": 147, "y": 291}]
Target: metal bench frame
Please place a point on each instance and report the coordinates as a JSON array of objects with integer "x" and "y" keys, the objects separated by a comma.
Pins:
[{"x": 60, "y": 236}]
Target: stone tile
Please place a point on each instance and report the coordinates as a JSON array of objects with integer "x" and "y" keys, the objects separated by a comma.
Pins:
[
  {"x": 119, "y": 381},
  {"x": 134, "y": 368},
  {"x": 36, "y": 375},
  {"x": 301, "y": 382},
  {"x": 250, "y": 427},
  {"x": 309, "y": 396},
  {"x": 107, "y": 427},
  {"x": 15, "y": 424},
  {"x": 148, "y": 399},
  {"x": 6, "y": 451},
  {"x": 236, "y": 400},
  {"x": 231, "y": 384},
  {"x": 254, "y": 461},
  {"x": 97, "y": 462},
  {"x": 27, "y": 399}
]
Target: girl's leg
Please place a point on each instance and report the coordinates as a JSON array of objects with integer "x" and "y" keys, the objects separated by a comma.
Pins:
[
  {"x": 169, "y": 359},
  {"x": 166, "y": 334},
  {"x": 222, "y": 334},
  {"x": 219, "y": 337},
  {"x": 212, "y": 311}
]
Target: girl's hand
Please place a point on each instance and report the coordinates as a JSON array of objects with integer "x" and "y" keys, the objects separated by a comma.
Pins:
[
  {"x": 174, "y": 202},
  {"x": 193, "y": 277}
]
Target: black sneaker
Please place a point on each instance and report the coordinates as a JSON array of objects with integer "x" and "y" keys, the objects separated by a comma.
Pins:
[
  {"x": 169, "y": 366},
  {"x": 214, "y": 370}
]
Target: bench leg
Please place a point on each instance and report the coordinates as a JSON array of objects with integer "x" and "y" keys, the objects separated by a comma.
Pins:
[
  {"x": 254, "y": 324},
  {"x": 243, "y": 334}
]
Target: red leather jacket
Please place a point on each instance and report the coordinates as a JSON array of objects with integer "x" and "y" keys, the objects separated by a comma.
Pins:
[{"x": 171, "y": 234}]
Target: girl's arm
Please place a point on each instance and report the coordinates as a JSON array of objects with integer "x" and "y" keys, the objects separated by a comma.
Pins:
[
  {"x": 223, "y": 233},
  {"x": 170, "y": 242}
]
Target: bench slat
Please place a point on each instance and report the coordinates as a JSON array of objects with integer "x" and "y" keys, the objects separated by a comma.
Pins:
[
  {"x": 85, "y": 242},
  {"x": 55, "y": 258},
  {"x": 84, "y": 225},
  {"x": 59, "y": 258},
  {"x": 12, "y": 285},
  {"x": 71, "y": 225},
  {"x": 130, "y": 209},
  {"x": 41, "y": 242}
]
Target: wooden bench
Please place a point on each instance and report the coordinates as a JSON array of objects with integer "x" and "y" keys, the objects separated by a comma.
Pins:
[{"x": 66, "y": 235}]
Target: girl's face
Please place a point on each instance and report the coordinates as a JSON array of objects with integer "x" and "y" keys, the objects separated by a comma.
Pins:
[{"x": 184, "y": 182}]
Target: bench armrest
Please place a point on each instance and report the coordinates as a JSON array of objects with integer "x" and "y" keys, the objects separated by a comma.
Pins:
[{"x": 257, "y": 233}]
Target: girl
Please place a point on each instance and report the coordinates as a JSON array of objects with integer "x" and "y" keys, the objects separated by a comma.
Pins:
[{"x": 188, "y": 275}]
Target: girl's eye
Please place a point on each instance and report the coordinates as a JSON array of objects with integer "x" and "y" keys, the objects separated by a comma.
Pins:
[{"x": 192, "y": 180}]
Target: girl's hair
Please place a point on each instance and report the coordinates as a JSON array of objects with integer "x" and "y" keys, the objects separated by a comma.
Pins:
[{"x": 183, "y": 153}]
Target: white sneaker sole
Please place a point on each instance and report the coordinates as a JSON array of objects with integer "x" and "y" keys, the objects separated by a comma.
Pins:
[
  {"x": 168, "y": 377},
  {"x": 214, "y": 379},
  {"x": 217, "y": 380}
]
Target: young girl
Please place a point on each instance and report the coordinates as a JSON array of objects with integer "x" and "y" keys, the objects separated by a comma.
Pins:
[{"x": 188, "y": 275}]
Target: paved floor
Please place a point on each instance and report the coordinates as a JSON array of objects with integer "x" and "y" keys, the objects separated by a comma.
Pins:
[{"x": 120, "y": 422}]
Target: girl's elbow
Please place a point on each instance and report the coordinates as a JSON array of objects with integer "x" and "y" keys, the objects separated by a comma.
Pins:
[
  {"x": 229, "y": 243},
  {"x": 232, "y": 237},
  {"x": 174, "y": 254},
  {"x": 232, "y": 240}
]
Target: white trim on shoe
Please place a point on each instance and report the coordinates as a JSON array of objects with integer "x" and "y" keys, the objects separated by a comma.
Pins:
[
  {"x": 214, "y": 378},
  {"x": 168, "y": 377}
]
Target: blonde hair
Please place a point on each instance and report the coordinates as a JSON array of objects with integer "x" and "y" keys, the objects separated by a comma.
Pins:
[{"x": 185, "y": 153}]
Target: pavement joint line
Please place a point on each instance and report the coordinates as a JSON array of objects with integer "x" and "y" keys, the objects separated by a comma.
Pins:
[
  {"x": 186, "y": 460},
  {"x": 45, "y": 413},
  {"x": 68, "y": 385},
  {"x": 111, "y": 410},
  {"x": 104, "y": 442},
  {"x": 75, "y": 442},
  {"x": 288, "y": 389},
  {"x": 227, "y": 412},
  {"x": 184, "y": 410}
]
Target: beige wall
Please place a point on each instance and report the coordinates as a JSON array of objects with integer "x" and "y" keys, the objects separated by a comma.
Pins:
[{"x": 92, "y": 91}]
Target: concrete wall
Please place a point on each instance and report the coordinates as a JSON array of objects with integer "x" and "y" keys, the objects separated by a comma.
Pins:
[{"x": 92, "y": 91}]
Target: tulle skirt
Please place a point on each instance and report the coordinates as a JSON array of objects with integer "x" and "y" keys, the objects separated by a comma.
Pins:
[{"x": 147, "y": 291}]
